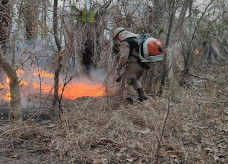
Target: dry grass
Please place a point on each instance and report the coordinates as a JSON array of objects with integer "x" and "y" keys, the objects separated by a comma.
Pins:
[{"x": 96, "y": 131}]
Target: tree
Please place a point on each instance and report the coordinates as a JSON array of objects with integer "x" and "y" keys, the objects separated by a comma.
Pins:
[
  {"x": 15, "y": 99},
  {"x": 172, "y": 12},
  {"x": 58, "y": 53},
  {"x": 178, "y": 29},
  {"x": 31, "y": 13},
  {"x": 188, "y": 50}
]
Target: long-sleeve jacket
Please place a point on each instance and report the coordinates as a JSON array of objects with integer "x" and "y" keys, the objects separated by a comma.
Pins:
[{"x": 127, "y": 66}]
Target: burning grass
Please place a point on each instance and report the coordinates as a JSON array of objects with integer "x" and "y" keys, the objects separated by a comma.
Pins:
[
  {"x": 101, "y": 130},
  {"x": 41, "y": 83}
]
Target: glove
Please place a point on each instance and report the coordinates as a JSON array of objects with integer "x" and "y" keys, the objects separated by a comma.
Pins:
[{"x": 118, "y": 79}]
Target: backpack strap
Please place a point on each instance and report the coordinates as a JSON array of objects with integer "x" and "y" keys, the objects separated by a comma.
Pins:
[{"x": 134, "y": 45}]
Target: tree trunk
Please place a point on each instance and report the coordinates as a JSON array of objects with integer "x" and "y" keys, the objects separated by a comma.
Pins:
[
  {"x": 31, "y": 14},
  {"x": 4, "y": 28},
  {"x": 164, "y": 70},
  {"x": 15, "y": 99},
  {"x": 59, "y": 55},
  {"x": 188, "y": 51},
  {"x": 181, "y": 18},
  {"x": 5, "y": 22},
  {"x": 56, "y": 80},
  {"x": 156, "y": 21},
  {"x": 44, "y": 16}
]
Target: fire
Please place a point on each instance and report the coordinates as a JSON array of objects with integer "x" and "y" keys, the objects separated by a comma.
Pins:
[
  {"x": 19, "y": 71},
  {"x": 44, "y": 88},
  {"x": 197, "y": 51},
  {"x": 23, "y": 83},
  {"x": 72, "y": 90},
  {"x": 100, "y": 93},
  {"x": 5, "y": 87},
  {"x": 2, "y": 86},
  {"x": 43, "y": 74},
  {"x": 7, "y": 97}
]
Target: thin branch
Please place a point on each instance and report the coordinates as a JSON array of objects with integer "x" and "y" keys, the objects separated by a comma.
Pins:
[
  {"x": 162, "y": 132},
  {"x": 61, "y": 96}
]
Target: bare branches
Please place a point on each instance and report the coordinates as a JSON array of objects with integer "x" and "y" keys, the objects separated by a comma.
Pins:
[{"x": 162, "y": 132}]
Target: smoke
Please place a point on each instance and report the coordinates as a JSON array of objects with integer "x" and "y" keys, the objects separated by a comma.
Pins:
[
  {"x": 98, "y": 76},
  {"x": 34, "y": 57},
  {"x": 35, "y": 64}
]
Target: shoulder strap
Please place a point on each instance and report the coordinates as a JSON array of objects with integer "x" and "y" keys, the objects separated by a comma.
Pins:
[
  {"x": 133, "y": 44},
  {"x": 142, "y": 39}
]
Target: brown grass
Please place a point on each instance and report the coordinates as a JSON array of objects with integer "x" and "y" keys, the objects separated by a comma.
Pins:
[{"x": 94, "y": 131}]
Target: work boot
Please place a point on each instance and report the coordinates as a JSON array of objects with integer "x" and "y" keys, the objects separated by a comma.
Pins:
[{"x": 142, "y": 94}]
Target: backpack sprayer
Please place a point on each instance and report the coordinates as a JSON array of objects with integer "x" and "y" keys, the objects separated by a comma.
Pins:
[{"x": 150, "y": 49}]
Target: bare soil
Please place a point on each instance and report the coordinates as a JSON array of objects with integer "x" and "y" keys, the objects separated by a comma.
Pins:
[{"x": 109, "y": 130}]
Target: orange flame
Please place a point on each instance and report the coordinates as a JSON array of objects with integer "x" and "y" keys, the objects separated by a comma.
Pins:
[
  {"x": 19, "y": 71},
  {"x": 44, "y": 88},
  {"x": 43, "y": 74},
  {"x": 73, "y": 91},
  {"x": 196, "y": 51},
  {"x": 23, "y": 83},
  {"x": 2, "y": 86},
  {"x": 7, "y": 97},
  {"x": 6, "y": 88}
]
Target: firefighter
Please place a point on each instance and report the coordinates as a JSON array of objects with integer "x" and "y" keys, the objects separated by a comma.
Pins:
[{"x": 127, "y": 66}]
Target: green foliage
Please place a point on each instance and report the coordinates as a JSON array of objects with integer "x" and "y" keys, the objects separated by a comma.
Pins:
[
  {"x": 42, "y": 34},
  {"x": 160, "y": 31},
  {"x": 74, "y": 8},
  {"x": 91, "y": 17},
  {"x": 86, "y": 17}
]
